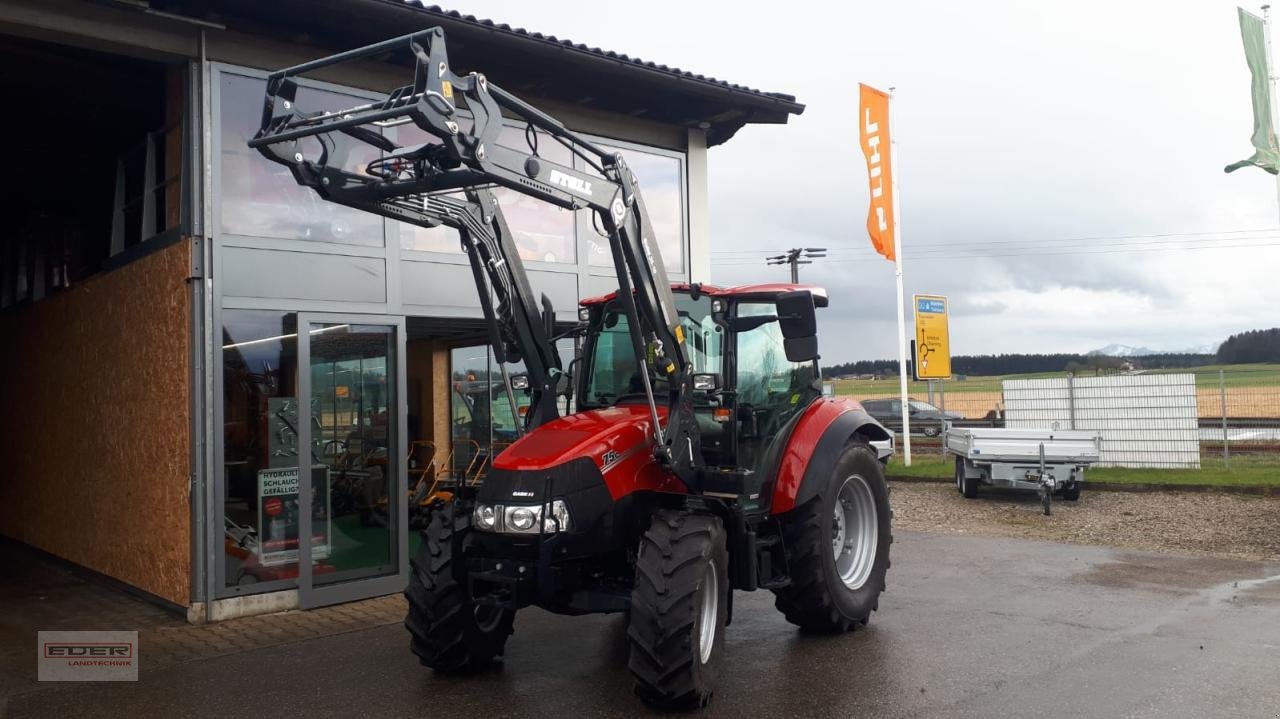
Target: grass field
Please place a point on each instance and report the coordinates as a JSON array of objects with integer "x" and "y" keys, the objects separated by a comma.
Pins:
[
  {"x": 1246, "y": 470},
  {"x": 1239, "y": 375}
]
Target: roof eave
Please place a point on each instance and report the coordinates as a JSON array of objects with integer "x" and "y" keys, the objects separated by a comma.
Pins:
[{"x": 764, "y": 107}]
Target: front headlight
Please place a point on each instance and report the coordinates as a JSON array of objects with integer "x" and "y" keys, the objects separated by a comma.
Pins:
[
  {"x": 559, "y": 519},
  {"x": 484, "y": 517},
  {"x": 522, "y": 519}
]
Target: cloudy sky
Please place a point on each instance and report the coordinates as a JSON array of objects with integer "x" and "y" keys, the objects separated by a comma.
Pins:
[{"x": 1060, "y": 163}]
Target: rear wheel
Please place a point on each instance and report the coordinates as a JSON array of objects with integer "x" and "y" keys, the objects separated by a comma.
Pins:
[
  {"x": 838, "y": 547},
  {"x": 1071, "y": 492},
  {"x": 450, "y": 633},
  {"x": 678, "y": 609}
]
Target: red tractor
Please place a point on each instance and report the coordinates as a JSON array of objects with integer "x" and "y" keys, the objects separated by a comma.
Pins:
[{"x": 701, "y": 457}]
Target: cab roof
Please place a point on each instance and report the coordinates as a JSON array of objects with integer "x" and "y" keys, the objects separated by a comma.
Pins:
[{"x": 766, "y": 291}]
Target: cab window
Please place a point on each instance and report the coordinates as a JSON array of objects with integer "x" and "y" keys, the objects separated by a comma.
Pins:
[
  {"x": 614, "y": 375},
  {"x": 771, "y": 387}
]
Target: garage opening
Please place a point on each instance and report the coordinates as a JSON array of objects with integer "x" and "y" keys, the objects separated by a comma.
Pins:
[
  {"x": 94, "y": 313},
  {"x": 98, "y": 174}
]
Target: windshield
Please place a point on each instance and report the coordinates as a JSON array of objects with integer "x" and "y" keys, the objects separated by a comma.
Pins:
[
  {"x": 613, "y": 376},
  {"x": 922, "y": 406}
]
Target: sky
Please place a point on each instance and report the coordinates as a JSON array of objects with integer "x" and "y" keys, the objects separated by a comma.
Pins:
[{"x": 1060, "y": 164}]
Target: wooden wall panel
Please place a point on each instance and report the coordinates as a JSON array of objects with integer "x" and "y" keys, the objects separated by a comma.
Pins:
[
  {"x": 94, "y": 409},
  {"x": 427, "y": 365}
]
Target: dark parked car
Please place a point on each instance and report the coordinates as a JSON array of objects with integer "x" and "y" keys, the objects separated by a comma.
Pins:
[{"x": 925, "y": 418}]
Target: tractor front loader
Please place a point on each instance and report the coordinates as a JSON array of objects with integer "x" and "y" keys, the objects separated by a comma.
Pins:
[{"x": 700, "y": 457}]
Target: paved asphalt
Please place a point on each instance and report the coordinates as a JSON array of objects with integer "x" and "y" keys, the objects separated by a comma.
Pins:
[{"x": 971, "y": 626}]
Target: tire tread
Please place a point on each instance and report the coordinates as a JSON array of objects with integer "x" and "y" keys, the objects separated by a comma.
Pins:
[
  {"x": 664, "y": 607},
  {"x": 440, "y": 618}
]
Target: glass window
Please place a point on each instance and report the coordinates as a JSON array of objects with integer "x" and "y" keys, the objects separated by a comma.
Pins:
[
  {"x": 471, "y": 405},
  {"x": 659, "y": 177},
  {"x": 613, "y": 375},
  {"x": 771, "y": 385},
  {"x": 542, "y": 231},
  {"x": 354, "y": 436},
  {"x": 260, "y": 444},
  {"x": 613, "y": 364},
  {"x": 261, "y": 198}
]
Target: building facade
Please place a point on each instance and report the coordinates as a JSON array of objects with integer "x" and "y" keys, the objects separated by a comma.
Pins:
[{"x": 190, "y": 332}]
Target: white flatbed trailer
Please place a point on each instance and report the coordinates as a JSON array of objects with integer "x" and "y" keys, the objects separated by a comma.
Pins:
[{"x": 1047, "y": 461}]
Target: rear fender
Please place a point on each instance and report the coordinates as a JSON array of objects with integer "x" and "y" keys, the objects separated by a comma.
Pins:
[{"x": 813, "y": 448}]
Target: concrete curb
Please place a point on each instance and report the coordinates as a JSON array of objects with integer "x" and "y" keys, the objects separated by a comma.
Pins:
[{"x": 1252, "y": 490}]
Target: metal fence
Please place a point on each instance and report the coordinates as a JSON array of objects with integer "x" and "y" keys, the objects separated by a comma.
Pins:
[{"x": 1202, "y": 418}]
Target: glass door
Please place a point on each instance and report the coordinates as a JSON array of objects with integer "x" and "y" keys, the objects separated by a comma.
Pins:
[{"x": 352, "y": 377}]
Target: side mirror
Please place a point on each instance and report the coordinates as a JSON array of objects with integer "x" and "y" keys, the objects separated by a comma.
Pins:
[
  {"x": 799, "y": 324},
  {"x": 567, "y": 380}
]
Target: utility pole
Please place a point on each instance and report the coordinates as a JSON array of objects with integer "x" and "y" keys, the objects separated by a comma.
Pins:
[{"x": 795, "y": 257}]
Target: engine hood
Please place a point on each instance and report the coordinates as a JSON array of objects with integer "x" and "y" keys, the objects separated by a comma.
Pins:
[{"x": 605, "y": 435}]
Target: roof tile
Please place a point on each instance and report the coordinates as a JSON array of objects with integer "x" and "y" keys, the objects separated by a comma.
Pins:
[{"x": 483, "y": 22}]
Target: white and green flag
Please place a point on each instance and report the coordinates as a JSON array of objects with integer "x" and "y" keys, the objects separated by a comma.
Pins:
[{"x": 1267, "y": 155}]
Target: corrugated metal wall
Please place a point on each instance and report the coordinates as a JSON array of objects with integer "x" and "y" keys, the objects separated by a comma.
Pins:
[{"x": 1146, "y": 420}]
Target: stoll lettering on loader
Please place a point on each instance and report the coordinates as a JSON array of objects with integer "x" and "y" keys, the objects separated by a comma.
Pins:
[{"x": 702, "y": 457}]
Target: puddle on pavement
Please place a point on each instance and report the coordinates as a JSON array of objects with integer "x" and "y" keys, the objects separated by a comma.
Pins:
[{"x": 1181, "y": 575}]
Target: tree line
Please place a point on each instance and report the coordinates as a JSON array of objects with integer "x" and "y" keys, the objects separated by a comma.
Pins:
[
  {"x": 1251, "y": 346},
  {"x": 1020, "y": 363}
]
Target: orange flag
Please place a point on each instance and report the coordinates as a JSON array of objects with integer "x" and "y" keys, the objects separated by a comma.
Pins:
[{"x": 873, "y": 131}]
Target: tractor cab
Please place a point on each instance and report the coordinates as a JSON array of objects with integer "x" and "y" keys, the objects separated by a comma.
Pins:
[{"x": 747, "y": 388}]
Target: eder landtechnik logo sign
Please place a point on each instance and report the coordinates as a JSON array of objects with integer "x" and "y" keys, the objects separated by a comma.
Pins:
[{"x": 87, "y": 656}]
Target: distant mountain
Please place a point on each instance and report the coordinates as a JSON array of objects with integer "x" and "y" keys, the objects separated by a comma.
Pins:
[{"x": 1118, "y": 350}]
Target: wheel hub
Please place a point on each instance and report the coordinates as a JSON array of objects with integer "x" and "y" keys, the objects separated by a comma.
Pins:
[
  {"x": 855, "y": 531},
  {"x": 710, "y": 612}
]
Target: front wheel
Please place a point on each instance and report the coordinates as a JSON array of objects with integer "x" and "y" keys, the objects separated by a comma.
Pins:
[
  {"x": 678, "y": 609},
  {"x": 838, "y": 547},
  {"x": 449, "y": 632}
]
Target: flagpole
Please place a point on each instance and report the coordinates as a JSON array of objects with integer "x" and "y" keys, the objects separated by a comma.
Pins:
[
  {"x": 1271, "y": 79},
  {"x": 897, "y": 271}
]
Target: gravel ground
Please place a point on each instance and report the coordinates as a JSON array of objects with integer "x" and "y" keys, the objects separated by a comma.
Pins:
[{"x": 1183, "y": 522}]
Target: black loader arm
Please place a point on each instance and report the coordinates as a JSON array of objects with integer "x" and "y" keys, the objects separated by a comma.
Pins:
[{"x": 462, "y": 114}]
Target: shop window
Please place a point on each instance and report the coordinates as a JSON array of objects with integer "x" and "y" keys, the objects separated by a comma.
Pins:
[
  {"x": 260, "y": 444},
  {"x": 542, "y": 231},
  {"x": 260, "y": 198},
  {"x": 662, "y": 189},
  {"x": 354, "y": 435}
]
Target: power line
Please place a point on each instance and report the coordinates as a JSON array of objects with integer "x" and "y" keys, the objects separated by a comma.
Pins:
[
  {"x": 1087, "y": 239},
  {"x": 1154, "y": 244},
  {"x": 981, "y": 256},
  {"x": 1121, "y": 239}
]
